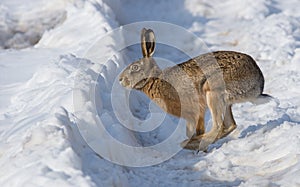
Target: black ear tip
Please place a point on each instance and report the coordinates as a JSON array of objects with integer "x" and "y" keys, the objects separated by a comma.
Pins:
[
  {"x": 149, "y": 31},
  {"x": 144, "y": 30}
]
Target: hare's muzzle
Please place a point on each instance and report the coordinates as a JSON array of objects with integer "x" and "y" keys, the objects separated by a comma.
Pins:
[{"x": 124, "y": 81}]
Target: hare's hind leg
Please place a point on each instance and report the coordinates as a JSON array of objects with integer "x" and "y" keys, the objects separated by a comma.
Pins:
[{"x": 229, "y": 124}]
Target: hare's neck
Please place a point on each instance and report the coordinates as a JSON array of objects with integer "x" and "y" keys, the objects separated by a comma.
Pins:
[
  {"x": 151, "y": 87},
  {"x": 163, "y": 94},
  {"x": 157, "y": 88}
]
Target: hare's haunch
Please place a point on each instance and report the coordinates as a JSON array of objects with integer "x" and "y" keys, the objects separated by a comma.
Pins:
[{"x": 215, "y": 80}]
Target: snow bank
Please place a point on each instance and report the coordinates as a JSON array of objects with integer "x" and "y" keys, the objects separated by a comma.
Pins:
[
  {"x": 23, "y": 24},
  {"x": 40, "y": 142}
]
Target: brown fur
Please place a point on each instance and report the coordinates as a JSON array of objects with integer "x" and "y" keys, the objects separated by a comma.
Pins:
[{"x": 215, "y": 80}]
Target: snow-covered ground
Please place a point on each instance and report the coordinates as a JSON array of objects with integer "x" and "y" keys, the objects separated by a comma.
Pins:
[{"x": 64, "y": 79}]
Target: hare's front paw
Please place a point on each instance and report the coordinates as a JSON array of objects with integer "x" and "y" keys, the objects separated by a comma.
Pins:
[
  {"x": 199, "y": 143},
  {"x": 192, "y": 144}
]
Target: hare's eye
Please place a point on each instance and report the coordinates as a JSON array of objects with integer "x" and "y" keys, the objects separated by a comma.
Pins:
[{"x": 135, "y": 67}]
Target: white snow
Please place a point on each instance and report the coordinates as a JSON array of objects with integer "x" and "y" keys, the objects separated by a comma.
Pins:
[{"x": 63, "y": 82}]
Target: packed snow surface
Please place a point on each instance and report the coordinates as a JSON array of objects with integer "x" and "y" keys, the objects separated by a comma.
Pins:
[{"x": 48, "y": 84}]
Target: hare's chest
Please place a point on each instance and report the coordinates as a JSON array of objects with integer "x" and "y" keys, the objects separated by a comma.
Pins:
[
  {"x": 173, "y": 97},
  {"x": 176, "y": 103}
]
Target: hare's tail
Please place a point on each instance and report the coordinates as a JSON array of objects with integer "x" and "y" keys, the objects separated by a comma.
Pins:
[{"x": 262, "y": 99}]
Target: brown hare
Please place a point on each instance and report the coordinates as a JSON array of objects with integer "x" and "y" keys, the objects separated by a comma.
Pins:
[{"x": 215, "y": 80}]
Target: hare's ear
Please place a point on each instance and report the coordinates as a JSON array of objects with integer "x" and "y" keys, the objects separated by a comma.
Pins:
[{"x": 147, "y": 42}]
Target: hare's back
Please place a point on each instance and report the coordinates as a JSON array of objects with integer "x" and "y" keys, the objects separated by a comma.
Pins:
[{"x": 238, "y": 72}]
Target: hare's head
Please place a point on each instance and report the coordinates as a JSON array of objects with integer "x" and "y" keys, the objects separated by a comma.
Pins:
[{"x": 136, "y": 75}]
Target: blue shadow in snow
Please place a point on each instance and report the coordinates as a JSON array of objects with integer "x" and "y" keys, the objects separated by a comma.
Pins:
[{"x": 270, "y": 125}]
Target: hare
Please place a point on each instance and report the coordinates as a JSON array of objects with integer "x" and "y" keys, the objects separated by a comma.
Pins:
[{"x": 214, "y": 80}]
